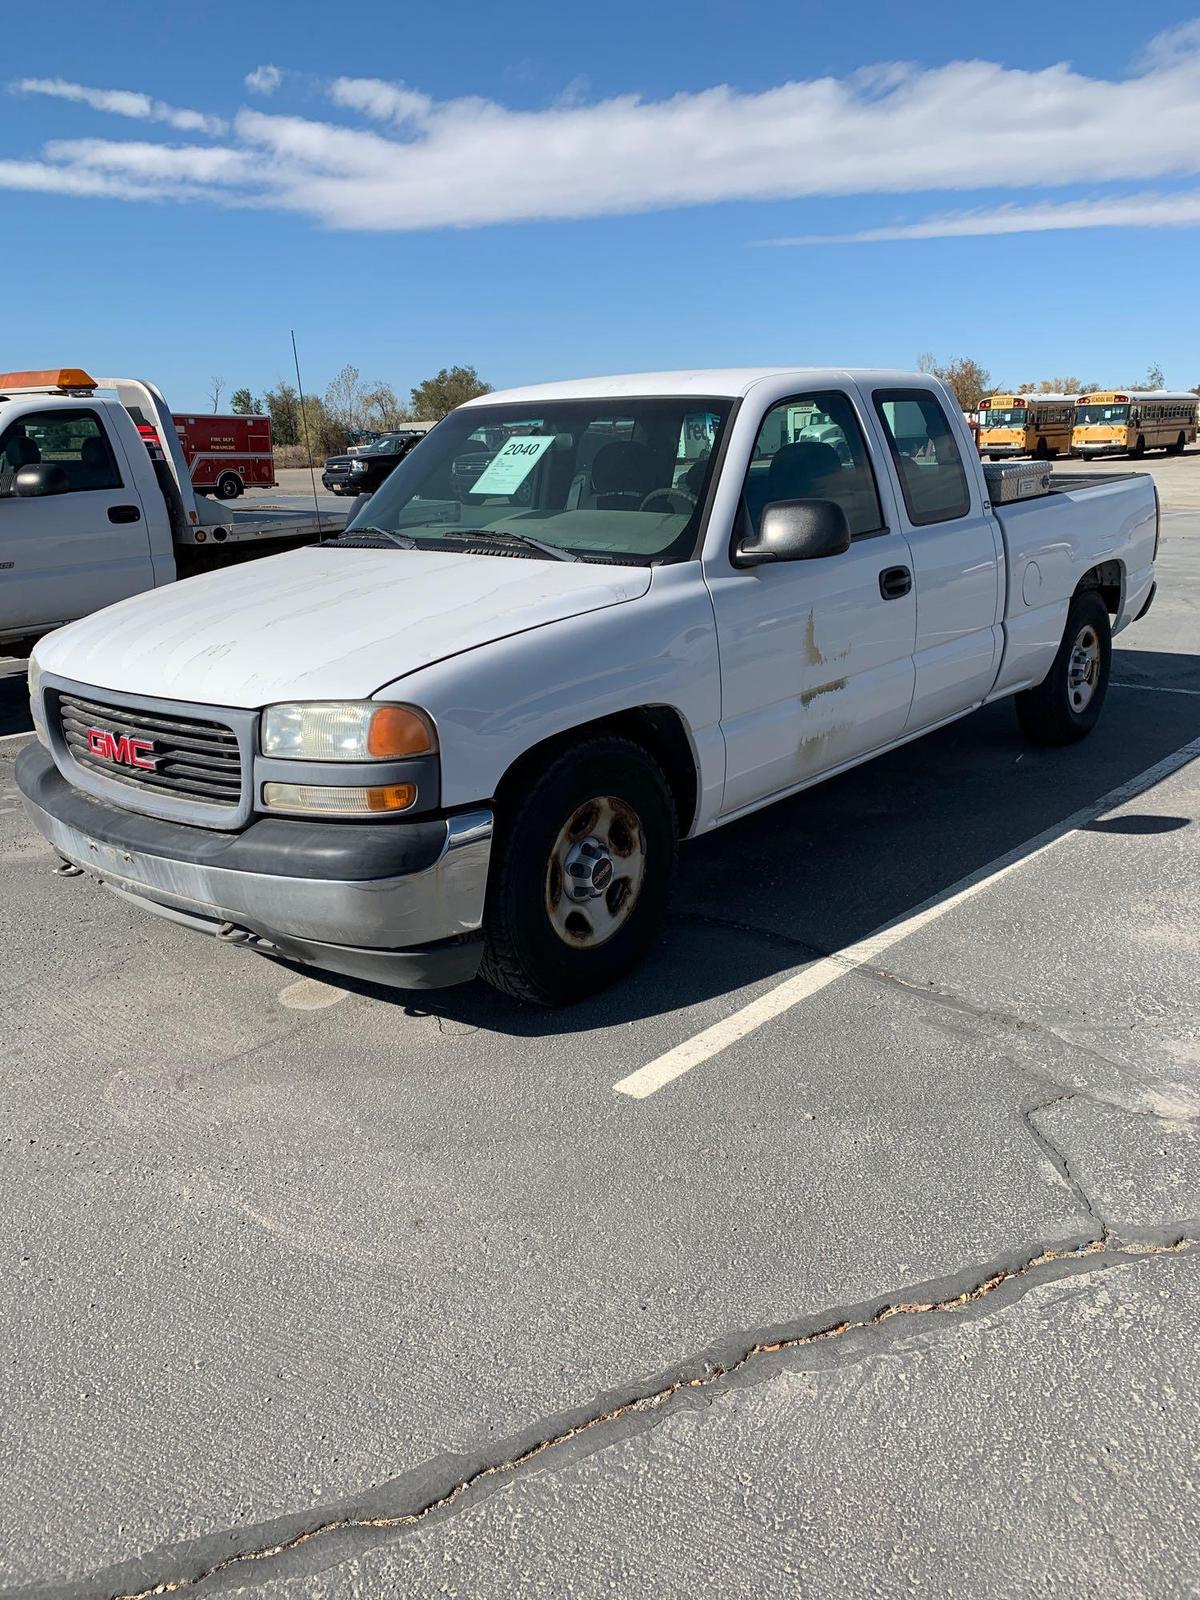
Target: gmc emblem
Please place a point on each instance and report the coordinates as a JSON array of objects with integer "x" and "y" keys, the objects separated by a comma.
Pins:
[{"x": 121, "y": 749}]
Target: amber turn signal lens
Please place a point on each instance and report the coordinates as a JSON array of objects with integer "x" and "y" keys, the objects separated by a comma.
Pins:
[
  {"x": 397, "y": 731},
  {"x": 325, "y": 800}
]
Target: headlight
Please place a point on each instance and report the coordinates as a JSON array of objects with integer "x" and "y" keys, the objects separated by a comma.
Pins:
[
  {"x": 346, "y": 730},
  {"x": 358, "y": 466}
]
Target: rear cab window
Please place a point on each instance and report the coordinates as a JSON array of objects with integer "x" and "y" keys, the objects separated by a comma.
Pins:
[{"x": 926, "y": 455}]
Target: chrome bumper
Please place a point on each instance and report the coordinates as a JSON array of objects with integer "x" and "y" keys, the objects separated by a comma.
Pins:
[{"x": 418, "y": 930}]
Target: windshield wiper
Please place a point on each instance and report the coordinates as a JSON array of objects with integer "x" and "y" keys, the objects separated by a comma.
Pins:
[
  {"x": 506, "y": 536},
  {"x": 347, "y": 536}
]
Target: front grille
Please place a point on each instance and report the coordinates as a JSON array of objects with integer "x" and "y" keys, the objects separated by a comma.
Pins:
[{"x": 194, "y": 759}]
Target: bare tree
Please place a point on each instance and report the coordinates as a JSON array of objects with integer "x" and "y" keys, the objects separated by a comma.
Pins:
[
  {"x": 382, "y": 408},
  {"x": 215, "y": 385},
  {"x": 345, "y": 399},
  {"x": 1154, "y": 379}
]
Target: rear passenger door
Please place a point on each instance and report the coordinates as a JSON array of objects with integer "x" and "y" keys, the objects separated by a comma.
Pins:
[
  {"x": 816, "y": 656},
  {"x": 64, "y": 555},
  {"x": 956, "y": 555}
]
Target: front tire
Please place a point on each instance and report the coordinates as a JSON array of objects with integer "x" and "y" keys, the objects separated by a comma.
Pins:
[
  {"x": 581, "y": 869},
  {"x": 1066, "y": 705}
]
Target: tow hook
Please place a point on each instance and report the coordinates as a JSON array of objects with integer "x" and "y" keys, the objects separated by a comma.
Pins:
[{"x": 68, "y": 869}]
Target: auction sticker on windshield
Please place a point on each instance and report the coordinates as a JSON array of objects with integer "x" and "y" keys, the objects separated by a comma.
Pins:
[{"x": 512, "y": 464}]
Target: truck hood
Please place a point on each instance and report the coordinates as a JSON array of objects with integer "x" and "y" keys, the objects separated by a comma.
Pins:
[{"x": 323, "y": 624}]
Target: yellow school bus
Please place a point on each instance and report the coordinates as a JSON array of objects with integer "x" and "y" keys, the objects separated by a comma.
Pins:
[
  {"x": 1026, "y": 425},
  {"x": 1111, "y": 423}
]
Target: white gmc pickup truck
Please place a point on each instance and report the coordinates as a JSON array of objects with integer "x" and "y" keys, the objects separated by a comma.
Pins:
[{"x": 578, "y": 622}]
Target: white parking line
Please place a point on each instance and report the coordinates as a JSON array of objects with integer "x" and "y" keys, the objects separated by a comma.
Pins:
[
  {"x": 5, "y": 737},
  {"x": 820, "y": 974},
  {"x": 1155, "y": 688}
]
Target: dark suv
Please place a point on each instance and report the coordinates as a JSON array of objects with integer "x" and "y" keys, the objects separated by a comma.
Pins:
[{"x": 363, "y": 472}]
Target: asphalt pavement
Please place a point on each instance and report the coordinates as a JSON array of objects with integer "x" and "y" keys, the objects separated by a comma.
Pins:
[{"x": 319, "y": 1289}]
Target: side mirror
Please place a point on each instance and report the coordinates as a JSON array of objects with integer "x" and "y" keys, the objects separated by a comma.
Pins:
[
  {"x": 796, "y": 530},
  {"x": 42, "y": 477}
]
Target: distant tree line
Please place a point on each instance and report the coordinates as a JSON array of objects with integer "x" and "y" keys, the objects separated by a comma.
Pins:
[
  {"x": 969, "y": 381},
  {"x": 324, "y": 423}
]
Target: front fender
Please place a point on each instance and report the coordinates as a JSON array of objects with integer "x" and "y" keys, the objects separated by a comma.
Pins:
[{"x": 494, "y": 703}]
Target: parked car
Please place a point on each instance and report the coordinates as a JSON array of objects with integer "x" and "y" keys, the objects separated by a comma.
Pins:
[
  {"x": 363, "y": 471},
  {"x": 466, "y": 735}
]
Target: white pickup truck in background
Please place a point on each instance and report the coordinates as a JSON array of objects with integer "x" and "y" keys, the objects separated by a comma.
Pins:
[
  {"x": 579, "y": 622},
  {"x": 88, "y": 517}
]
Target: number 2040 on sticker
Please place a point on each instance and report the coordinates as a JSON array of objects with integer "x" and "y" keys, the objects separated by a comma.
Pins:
[{"x": 512, "y": 464}]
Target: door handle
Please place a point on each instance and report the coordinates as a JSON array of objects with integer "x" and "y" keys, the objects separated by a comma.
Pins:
[
  {"x": 124, "y": 514},
  {"x": 894, "y": 582}
]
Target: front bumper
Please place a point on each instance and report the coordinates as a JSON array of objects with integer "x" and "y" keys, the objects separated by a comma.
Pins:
[{"x": 398, "y": 903}]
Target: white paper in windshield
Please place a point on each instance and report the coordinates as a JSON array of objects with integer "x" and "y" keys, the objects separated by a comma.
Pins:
[{"x": 512, "y": 464}]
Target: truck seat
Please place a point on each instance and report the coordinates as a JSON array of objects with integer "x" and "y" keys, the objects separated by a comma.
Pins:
[
  {"x": 621, "y": 476},
  {"x": 805, "y": 470}
]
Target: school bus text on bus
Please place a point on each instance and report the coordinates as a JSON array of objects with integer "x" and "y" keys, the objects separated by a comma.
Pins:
[{"x": 1111, "y": 423}]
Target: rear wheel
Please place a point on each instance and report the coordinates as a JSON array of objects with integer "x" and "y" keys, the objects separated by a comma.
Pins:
[
  {"x": 1066, "y": 705},
  {"x": 1178, "y": 447},
  {"x": 585, "y": 850},
  {"x": 229, "y": 486}
]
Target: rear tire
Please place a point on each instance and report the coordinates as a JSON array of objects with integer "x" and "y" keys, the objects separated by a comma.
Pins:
[
  {"x": 229, "y": 486},
  {"x": 1178, "y": 447},
  {"x": 581, "y": 869},
  {"x": 1066, "y": 705}
]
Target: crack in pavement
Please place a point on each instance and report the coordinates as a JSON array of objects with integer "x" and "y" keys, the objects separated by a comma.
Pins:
[
  {"x": 1059, "y": 1160},
  {"x": 946, "y": 1296}
]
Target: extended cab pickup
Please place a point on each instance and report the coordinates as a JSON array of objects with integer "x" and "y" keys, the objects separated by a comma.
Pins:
[
  {"x": 578, "y": 622},
  {"x": 88, "y": 515}
]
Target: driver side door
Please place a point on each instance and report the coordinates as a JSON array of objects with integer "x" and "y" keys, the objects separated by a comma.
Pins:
[
  {"x": 64, "y": 555},
  {"x": 816, "y": 656}
]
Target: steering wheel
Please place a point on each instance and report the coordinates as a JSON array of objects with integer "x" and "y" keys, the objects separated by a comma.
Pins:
[{"x": 681, "y": 500}]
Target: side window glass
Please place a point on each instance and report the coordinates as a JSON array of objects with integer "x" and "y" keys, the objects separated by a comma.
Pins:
[
  {"x": 811, "y": 447},
  {"x": 73, "y": 439},
  {"x": 926, "y": 454}
]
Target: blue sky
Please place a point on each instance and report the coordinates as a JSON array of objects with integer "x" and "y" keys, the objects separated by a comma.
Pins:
[{"x": 546, "y": 191}]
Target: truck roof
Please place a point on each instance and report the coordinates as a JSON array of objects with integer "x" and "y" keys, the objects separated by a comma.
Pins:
[{"x": 730, "y": 382}]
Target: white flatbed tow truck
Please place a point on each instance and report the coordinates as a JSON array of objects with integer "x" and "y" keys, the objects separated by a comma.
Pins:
[{"x": 88, "y": 516}]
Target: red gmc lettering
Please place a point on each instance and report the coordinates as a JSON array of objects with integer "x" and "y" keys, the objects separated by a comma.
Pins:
[{"x": 126, "y": 752}]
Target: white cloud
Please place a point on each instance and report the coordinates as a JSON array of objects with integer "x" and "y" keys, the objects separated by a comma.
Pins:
[
  {"x": 890, "y": 129},
  {"x": 121, "y": 103},
  {"x": 386, "y": 102},
  {"x": 263, "y": 80},
  {"x": 201, "y": 164},
  {"x": 1144, "y": 210}
]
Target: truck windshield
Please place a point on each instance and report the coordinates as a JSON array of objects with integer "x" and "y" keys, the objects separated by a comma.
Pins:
[
  {"x": 1087, "y": 415},
  {"x": 610, "y": 480}
]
